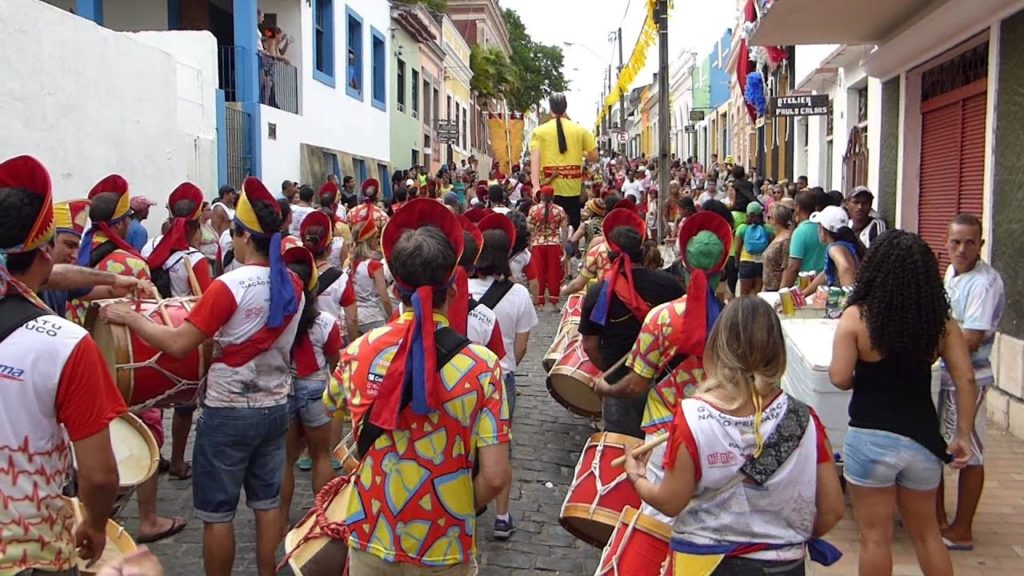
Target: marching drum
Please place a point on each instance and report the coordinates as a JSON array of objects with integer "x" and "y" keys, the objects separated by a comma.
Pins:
[
  {"x": 638, "y": 547},
  {"x": 571, "y": 381},
  {"x": 571, "y": 312},
  {"x": 136, "y": 454},
  {"x": 567, "y": 330},
  {"x": 318, "y": 544},
  {"x": 119, "y": 543},
  {"x": 599, "y": 491},
  {"x": 146, "y": 376}
]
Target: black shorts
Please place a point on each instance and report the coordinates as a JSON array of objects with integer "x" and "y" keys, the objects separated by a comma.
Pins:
[
  {"x": 751, "y": 270},
  {"x": 572, "y": 207}
]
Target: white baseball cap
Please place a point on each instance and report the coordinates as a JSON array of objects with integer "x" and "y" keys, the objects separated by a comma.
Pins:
[{"x": 832, "y": 218}]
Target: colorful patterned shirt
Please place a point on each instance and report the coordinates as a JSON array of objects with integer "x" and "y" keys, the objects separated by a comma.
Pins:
[
  {"x": 653, "y": 351},
  {"x": 117, "y": 262},
  {"x": 546, "y": 231},
  {"x": 413, "y": 497},
  {"x": 596, "y": 262}
]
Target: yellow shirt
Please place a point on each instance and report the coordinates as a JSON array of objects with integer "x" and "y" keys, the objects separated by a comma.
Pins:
[{"x": 568, "y": 166}]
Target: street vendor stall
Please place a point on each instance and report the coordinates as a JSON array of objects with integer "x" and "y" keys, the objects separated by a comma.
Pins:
[{"x": 809, "y": 339}]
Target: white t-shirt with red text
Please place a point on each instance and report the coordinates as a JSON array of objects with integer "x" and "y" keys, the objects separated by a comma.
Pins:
[
  {"x": 233, "y": 313},
  {"x": 55, "y": 388}
]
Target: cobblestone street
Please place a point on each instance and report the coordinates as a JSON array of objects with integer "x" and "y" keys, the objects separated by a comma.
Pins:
[{"x": 547, "y": 443}]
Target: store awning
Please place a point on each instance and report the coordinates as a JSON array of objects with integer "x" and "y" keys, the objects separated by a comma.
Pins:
[{"x": 797, "y": 22}]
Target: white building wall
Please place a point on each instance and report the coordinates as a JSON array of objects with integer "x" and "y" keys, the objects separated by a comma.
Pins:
[
  {"x": 134, "y": 15},
  {"x": 196, "y": 65},
  {"x": 329, "y": 117},
  {"x": 114, "y": 108}
]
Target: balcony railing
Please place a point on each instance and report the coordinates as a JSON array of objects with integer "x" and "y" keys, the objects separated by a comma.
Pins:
[{"x": 278, "y": 81}]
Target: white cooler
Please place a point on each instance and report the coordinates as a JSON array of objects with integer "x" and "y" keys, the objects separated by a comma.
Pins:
[{"x": 808, "y": 355}]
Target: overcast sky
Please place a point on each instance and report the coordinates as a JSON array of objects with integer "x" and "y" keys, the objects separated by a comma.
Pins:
[{"x": 693, "y": 25}]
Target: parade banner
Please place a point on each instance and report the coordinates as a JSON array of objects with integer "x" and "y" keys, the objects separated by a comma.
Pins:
[{"x": 506, "y": 133}]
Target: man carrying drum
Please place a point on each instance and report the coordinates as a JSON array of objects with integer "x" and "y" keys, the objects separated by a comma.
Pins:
[
  {"x": 104, "y": 248},
  {"x": 55, "y": 382},
  {"x": 67, "y": 281},
  {"x": 670, "y": 346},
  {"x": 425, "y": 404},
  {"x": 614, "y": 310},
  {"x": 251, "y": 314},
  {"x": 187, "y": 274}
]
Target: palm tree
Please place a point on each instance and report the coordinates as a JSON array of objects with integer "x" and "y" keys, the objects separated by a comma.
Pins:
[{"x": 493, "y": 76}]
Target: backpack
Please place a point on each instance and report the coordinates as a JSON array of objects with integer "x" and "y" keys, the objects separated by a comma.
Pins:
[
  {"x": 755, "y": 239},
  {"x": 161, "y": 278}
]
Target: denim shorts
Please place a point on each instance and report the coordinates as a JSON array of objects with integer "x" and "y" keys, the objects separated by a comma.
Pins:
[
  {"x": 236, "y": 448},
  {"x": 306, "y": 404},
  {"x": 751, "y": 270},
  {"x": 879, "y": 459},
  {"x": 510, "y": 393}
]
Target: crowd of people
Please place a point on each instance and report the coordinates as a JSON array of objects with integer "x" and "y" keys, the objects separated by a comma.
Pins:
[{"x": 406, "y": 320}]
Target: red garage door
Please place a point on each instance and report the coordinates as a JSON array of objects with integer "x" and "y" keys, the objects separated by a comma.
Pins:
[{"x": 952, "y": 161}]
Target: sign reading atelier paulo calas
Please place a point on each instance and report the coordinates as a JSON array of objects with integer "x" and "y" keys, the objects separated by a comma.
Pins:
[{"x": 807, "y": 105}]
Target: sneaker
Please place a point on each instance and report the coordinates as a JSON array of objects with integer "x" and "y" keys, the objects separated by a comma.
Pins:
[
  {"x": 305, "y": 464},
  {"x": 503, "y": 529},
  {"x": 335, "y": 464}
]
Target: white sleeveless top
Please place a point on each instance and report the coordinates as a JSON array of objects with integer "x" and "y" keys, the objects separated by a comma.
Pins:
[{"x": 724, "y": 511}]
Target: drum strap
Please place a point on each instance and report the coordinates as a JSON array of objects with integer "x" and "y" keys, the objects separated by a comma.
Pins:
[
  {"x": 15, "y": 311},
  {"x": 495, "y": 292},
  {"x": 669, "y": 368},
  {"x": 327, "y": 279},
  {"x": 448, "y": 343}
]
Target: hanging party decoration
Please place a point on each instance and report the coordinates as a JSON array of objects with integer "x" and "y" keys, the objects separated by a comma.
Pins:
[
  {"x": 637, "y": 60},
  {"x": 754, "y": 94}
]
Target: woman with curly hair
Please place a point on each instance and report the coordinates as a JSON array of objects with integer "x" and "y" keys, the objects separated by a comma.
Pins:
[{"x": 896, "y": 324}]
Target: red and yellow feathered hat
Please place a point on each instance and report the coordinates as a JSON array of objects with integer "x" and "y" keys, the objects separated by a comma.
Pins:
[
  {"x": 363, "y": 225},
  {"x": 317, "y": 242},
  {"x": 283, "y": 300},
  {"x": 413, "y": 371},
  {"x": 458, "y": 309},
  {"x": 370, "y": 188},
  {"x": 328, "y": 194},
  {"x": 27, "y": 173},
  {"x": 113, "y": 184},
  {"x": 176, "y": 238},
  {"x": 495, "y": 221},
  {"x": 70, "y": 217},
  {"x": 705, "y": 242},
  {"x": 619, "y": 278},
  {"x": 292, "y": 251}
]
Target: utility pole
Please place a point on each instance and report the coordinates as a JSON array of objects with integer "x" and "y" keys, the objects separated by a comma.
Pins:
[
  {"x": 664, "y": 118},
  {"x": 622, "y": 96}
]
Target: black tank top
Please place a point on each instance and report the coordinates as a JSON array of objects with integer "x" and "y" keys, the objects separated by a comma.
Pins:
[{"x": 891, "y": 396}]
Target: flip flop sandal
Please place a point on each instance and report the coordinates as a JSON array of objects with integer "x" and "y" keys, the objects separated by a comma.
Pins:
[
  {"x": 957, "y": 546},
  {"x": 177, "y": 525},
  {"x": 185, "y": 476}
]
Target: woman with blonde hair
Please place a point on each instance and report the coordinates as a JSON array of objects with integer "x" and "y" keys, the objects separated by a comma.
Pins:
[
  {"x": 373, "y": 304},
  {"x": 749, "y": 475}
]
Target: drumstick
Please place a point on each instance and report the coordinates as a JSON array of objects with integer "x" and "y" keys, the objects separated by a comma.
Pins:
[
  {"x": 614, "y": 366},
  {"x": 643, "y": 449}
]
